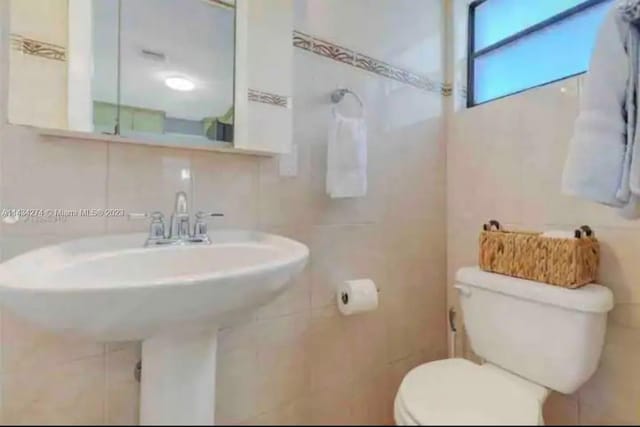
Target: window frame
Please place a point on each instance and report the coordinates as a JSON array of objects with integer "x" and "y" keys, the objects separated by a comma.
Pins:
[{"x": 472, "y": 56}]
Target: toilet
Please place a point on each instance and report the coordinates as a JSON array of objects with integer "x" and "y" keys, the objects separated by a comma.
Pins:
[{"x": 532, "y": 337}]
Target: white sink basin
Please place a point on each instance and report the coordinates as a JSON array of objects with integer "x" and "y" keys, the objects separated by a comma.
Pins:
[
  {"x": 172, "y": 297},
  {"x": 111, "y": 288}
]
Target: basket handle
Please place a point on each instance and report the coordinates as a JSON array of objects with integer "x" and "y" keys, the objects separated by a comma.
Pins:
[
  {"x": 493, "y": 225},
  {"x": 585, "y": 231}
]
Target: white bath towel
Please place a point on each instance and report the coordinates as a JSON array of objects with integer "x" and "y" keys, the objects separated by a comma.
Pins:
[
  {"x": 599, "y": 158},
  {"x": 346, "y": 156},
  {"x": 630, "y": 13}
]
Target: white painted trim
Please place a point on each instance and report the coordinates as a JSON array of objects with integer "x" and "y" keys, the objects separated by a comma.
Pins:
[
  {"x": 5, "y": 22},
  {"x": 204, "y": 146},
  {"x": 241, "y": 80},
  {"x": 80, "y": 66}
]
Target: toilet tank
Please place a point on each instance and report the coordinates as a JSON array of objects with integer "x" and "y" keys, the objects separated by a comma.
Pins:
[{"x": 547, "y": 334}]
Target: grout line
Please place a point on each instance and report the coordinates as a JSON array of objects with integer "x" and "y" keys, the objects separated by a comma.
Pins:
[
  {"x": 54, "y": 366},
  {"x": 105, "y": 397}
]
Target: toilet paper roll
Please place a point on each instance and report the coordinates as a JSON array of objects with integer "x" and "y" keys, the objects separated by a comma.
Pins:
[{"x": 357, "y": 296}]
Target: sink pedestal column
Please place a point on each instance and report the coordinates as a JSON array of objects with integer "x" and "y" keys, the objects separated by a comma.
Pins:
[{"x": 178, "y": 381}]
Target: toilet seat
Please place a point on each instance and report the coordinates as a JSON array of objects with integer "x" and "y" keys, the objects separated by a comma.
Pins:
[{"x": 459, "y": 392}]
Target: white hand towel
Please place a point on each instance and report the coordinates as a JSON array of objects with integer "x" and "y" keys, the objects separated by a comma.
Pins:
[
  {"x": 346, "y": 156},
  {"x": 630, "y": 12}
]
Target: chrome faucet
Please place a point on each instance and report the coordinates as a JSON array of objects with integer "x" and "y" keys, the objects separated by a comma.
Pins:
[
  {"x": 180, "y": 218},
  {"x": 179, "y": 230}
]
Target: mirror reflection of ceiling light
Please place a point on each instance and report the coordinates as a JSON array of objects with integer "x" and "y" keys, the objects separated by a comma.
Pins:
[{"x": 179, "y": 83}]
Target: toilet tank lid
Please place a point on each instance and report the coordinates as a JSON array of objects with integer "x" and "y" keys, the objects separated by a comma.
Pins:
[{"x": 590, "y": 298}]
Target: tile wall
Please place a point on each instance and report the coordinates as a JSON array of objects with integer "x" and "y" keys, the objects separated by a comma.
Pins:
[
  {"x": 296, "y": 360},
  {"x": 504, "y": 161},
  {"x": 38, "y": 48}
]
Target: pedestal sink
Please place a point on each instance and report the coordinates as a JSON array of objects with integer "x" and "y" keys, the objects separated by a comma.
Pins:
[{"x": 171, "y": 297}]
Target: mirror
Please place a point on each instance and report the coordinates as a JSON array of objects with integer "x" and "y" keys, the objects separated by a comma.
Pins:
[{"x": 143, "y": 69}]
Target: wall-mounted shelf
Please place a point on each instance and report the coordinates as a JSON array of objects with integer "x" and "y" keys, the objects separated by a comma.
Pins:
[{"x": 154, "y": 142}]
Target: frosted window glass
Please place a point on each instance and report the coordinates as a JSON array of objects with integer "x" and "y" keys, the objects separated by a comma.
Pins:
[
  {"x": 555, "y": 52},
  {"x": 498, "y": 19}
]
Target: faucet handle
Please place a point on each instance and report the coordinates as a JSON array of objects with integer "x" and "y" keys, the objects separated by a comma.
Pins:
[
  {"x": 156, "y": 229},
  {"x": 200, "y": 226},
  {"x": 200, "y": 215},
  {"x": 155, "y": 216},
  {"x": 137, "y": 215}
]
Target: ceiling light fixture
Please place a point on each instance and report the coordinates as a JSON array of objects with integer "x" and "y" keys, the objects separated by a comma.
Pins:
[{"x": 179, "y": 83}]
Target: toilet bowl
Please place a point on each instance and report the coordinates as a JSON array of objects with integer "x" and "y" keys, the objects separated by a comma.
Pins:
[
  {"x": 459, "y": 392},
  {"x": 533, "y": 337}
]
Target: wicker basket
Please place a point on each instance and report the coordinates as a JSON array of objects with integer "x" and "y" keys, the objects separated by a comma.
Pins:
[{"x": 569, "y": 263}]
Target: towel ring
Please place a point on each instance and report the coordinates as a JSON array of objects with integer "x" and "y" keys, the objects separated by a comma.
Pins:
[{"x": 338, "y": 95}]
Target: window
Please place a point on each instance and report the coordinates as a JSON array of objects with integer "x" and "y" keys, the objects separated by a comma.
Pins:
[{"x": 515, "y": 45}]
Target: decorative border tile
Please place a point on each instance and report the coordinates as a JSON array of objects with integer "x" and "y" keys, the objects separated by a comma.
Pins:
[
  {"x": 367, "y": 63},
  {"x": 269, "y": 98},
  {"x": 300, "y": 40},
  {"x": 38, "y": 48}
]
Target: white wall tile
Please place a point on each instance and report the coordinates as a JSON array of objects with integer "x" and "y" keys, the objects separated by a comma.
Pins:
[
  {"x": 532, "y": 131},
  {"x": 226, "y": 184},
  {"x": 26, "y": 346},
  {"x": 295, "y": 360},
  {"x": 50, "y": 173},
  {"x": 72, "y": 393},
  {"x": 122, "y": 389},
  {"x": 145, "y": 179}
]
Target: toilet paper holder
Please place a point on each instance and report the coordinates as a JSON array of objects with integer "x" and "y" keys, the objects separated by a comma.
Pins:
[
  {"x": 357, "y": 296},
  {"x": 345, "y": 297}
]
